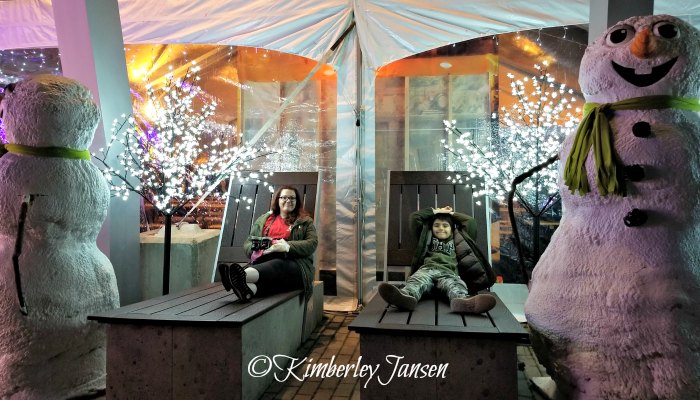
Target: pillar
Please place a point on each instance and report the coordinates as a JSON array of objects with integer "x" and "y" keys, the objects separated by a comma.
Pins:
[
  {"x": 92, "y": 51},
  {"x": 605, "y": 13}
]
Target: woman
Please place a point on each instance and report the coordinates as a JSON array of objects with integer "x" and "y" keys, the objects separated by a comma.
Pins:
[{"x": 281, "y": 245}]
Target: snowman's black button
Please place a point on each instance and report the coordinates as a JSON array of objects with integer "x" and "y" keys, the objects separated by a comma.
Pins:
[
  {"x": 641, "y": 129},
  {"x": 634, "y": 173},
  {"x": 636, "y": 217}
]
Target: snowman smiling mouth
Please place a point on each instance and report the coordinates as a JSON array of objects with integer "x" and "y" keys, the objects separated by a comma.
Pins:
[{"x": 643, "y": 80}]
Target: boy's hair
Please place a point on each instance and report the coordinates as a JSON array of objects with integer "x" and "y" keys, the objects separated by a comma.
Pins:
[{"x": 445, "y": 217}]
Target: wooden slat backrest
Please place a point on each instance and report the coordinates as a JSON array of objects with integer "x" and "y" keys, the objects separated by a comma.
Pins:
[
  {"x": 409, "y": 191},
  {"x": 239, "y": 216}
]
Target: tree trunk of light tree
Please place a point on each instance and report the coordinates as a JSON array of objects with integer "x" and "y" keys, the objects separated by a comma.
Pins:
[
  {"x": 535, "y": 239},
  {"x": 166, "y": 253}
]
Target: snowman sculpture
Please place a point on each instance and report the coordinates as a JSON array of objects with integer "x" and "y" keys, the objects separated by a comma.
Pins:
[
  {"x": 53, "y": 352},
  {"x": 614, "y": 303}
]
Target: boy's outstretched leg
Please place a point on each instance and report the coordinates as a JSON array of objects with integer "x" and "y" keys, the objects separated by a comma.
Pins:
[
  {"x": 478, "y": 304},
  {"x": 393, "y": 295}
]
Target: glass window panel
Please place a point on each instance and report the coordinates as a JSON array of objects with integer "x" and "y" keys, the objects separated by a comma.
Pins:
[{"x": 466, "y": 83}]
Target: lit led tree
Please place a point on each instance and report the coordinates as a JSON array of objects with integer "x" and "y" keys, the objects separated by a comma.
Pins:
[
  {"x": 525, "y": 136},
  {"x": 173, "y": 159}
]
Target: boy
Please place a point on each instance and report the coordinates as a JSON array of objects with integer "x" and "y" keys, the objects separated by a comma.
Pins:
[{"x": 443, "y": 255}]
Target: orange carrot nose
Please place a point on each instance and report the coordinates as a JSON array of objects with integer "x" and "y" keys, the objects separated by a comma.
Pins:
[{"x": 643, "y": 44}]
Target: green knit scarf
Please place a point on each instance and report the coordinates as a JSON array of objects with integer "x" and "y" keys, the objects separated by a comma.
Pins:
[
  {"x": 594, "y": 131},
  {"x": 60, "y": 152}
]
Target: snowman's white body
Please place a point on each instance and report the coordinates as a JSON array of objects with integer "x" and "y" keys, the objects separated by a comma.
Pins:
[
  {"x": 615, "y": 310},
  {"x": 54, "y": 352}
]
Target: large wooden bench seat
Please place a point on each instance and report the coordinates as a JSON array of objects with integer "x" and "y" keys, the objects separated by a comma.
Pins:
[
  {"x": 200, "y": 343},
  {"x": 479, "y": 350}
]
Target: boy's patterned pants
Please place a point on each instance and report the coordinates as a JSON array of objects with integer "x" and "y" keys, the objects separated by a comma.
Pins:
[{"x": 425, "y": 277}]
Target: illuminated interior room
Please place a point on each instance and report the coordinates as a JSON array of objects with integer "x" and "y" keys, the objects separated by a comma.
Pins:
[{"x": 352, "y": 92}]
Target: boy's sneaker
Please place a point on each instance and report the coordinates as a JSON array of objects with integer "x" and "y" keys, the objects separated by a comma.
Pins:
[
  {"x": 475, "y": 304},
  {"x": 393, "y": 295}
]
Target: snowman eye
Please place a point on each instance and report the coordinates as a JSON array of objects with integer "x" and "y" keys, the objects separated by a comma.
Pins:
[
  {"x": 666, "y": 30},
  {"x": 620, "y": 35}
]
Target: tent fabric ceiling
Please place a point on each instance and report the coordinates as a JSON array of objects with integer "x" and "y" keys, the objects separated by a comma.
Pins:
[{"x": 388, "y": 30}]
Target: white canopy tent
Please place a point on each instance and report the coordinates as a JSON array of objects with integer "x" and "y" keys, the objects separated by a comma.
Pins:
[{"x": 385, "y": 31}]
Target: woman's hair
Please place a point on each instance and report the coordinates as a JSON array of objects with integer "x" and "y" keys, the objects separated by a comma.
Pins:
[{"x": 296, "y": 213}]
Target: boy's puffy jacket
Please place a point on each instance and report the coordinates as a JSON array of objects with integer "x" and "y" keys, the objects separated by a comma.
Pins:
[{"x": 472, "y": 265}]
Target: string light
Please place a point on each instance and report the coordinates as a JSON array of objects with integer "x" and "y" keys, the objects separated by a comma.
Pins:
[
  {"x": 19, "y": 64},
  {"x": 176, "y": 156},
  {"x": 525, "y": 135},
  {"x": 16, "y": 65}
]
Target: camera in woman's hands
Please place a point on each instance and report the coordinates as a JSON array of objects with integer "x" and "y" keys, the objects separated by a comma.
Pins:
[{"x": 261, "y": 243}]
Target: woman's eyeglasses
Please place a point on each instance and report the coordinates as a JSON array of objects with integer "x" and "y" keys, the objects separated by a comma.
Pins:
[{"x": 288, "y": 198}]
